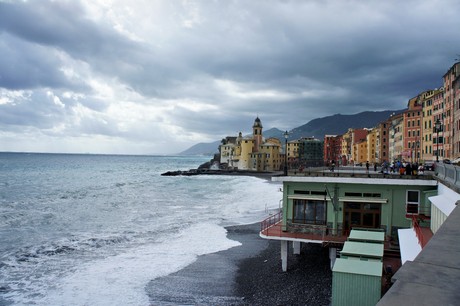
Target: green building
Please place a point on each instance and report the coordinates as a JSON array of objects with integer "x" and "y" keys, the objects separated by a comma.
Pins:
[
  {"x": 323, "y": 209},
  {"x": 363, "y": 218},
  {"x": 311, "y": 152}
]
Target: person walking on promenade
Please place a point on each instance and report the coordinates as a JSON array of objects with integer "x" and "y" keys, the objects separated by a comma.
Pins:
[
  {"x": 402, "y": 169},
  {"x": 408, "y": 169},
  {"x": 332, "y": 166},
  {"x": 367, "y": 167},
  {"x": 414, "y": 168}
]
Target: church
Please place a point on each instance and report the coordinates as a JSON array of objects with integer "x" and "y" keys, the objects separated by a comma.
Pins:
[{"x": 252, "y": 152}]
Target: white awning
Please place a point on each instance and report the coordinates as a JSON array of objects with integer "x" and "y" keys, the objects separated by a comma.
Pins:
[
  {"x": 408, "y": 244},
  {"x": 307, "y": 197},
  {"x": 363, "y": 200}
]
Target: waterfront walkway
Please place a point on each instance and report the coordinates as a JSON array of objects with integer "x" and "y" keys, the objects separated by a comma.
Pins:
[{"x": 433, "y": 277}]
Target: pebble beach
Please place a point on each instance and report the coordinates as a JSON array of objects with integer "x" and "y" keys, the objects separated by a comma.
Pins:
[{"x": 249, "y": 274}]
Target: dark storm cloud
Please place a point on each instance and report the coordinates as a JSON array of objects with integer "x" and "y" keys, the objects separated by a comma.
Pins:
[
  {"x": 33, "y": 33},
  {"x": 286, "y": 61}
]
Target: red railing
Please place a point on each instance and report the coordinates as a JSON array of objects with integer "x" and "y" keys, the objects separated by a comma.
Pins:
[
  {"x": 418, "y": 231},
  {"x": 270, "y": 221},
  {"x": 272, "y": 227}
]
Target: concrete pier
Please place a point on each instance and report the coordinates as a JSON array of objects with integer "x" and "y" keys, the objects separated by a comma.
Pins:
[
  {"x": 332, "y": 256},
  {"x": 296, "y": 247},
  {"x": 284, "y": 254}
]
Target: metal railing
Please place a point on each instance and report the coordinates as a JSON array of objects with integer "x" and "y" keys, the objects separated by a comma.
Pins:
[
  {"x": 448, "y": 174},
  {"x": 270, "y": 221},
  {"x": 272, "y": 227},
  {"x": 418, "y": 231}
]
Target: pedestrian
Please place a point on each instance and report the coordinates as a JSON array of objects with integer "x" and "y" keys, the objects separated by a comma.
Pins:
[
  {"x": 420, "y": 169},
  {"x": 367, "y": 167},
  {"x": 408, "y": 168},
  {"x": 402, "y": 170}
]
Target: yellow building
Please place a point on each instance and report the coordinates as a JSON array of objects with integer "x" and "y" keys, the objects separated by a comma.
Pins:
[
  {"x": 292, "y": 152},
  {"x": 251, "y": 152},
  {"x": 426, "y": 145},
  {"x": 360, "y": 152},
  {"x": 372, "y": 146}
]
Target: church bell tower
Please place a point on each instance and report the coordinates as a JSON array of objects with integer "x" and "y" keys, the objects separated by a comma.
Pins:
[{"x": 257, "y": 134}]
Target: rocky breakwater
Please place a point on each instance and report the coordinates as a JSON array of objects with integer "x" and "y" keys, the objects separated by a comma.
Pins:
[
  {"x": 213, "y": 167},
  {"x": 219, "y": 172},
  {"x": 188, "y": 172}
]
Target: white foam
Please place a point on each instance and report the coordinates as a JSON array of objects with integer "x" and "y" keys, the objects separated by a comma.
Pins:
[
  {"x": 251, "y": 201},
  {"x": 121, "y": 279}
]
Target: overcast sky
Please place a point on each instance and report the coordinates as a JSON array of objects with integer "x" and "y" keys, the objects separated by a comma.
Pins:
[{"x": 153, "y": 76}]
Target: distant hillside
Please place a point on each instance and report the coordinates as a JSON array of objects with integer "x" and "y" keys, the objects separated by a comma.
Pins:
[
  {"x": 213, "y": 147},
  {"x": 202, "y": 149},
  {"x": 273, "y": 132},
  {"x": 331, "y": 125},
  {"x": 338, "y": 124}
]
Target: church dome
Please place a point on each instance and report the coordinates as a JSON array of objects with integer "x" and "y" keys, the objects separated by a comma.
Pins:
[{"x": 257, "y": 123}]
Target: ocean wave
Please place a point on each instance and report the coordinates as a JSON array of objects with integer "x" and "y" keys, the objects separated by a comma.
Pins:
[
  {"x": 62, "y": 247},
  {"x": 11, "y": 217}
]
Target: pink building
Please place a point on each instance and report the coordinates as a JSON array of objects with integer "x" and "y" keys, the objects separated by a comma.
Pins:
[{"x": 452, "y": 114}]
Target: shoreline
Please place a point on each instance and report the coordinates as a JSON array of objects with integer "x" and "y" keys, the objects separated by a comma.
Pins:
[{"x": 249, "y": 274}]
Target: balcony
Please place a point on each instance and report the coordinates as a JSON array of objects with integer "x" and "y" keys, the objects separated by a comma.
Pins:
[{"x": 271, "y": 228}]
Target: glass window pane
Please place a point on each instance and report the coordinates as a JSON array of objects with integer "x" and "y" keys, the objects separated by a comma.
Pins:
[
  {"x": 320, "y": 213},
  {"x": 298, "y": 211},
  {"x": 412, "y": 196},
  {"x": 310, "y": 212},
  {"x": 412, "y": 208}
]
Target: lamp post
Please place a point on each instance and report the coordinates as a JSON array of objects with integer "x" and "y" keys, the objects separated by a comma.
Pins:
[
  {"x": 437, "y": 126},
  {"x": 286, "y": 135}
]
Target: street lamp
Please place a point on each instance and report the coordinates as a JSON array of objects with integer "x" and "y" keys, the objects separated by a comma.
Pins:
[
  {"x": 437, "y": 126},
  {"x": 286, "y": 135}
]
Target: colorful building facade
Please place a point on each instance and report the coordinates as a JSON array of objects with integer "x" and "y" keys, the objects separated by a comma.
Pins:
[{"x": 251, "y": 152}]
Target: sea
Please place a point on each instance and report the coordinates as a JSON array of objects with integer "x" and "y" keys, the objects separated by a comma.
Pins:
[{"x": 83, "y": 229}]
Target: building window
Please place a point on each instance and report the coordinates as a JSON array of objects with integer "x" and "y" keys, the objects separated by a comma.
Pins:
[
  {"x": 412, "y": 202},
  {"x": 309, "y": 212}
]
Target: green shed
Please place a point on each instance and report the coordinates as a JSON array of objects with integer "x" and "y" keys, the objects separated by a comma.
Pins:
[{"x": 356, "y": 282}]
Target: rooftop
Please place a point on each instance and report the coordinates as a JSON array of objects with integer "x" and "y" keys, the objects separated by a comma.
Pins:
[{"x": 357, "y": 175}]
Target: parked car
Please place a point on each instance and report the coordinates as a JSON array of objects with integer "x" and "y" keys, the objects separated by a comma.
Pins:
[
  {"x": 428, "y": 166},
  {"x": 446, "y": 161}
]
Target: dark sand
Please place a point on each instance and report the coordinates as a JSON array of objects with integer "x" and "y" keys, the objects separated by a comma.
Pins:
[{"x": 249, "y": 274}]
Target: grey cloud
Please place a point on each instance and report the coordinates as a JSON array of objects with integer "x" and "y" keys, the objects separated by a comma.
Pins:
[
  {"x": 28, "y": 66},
  {"x": 325, "y": 57},
  {"x": 37, "y": 110}
]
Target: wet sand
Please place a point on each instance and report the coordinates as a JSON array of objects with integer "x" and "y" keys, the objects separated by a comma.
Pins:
[{"x": 249, "y": 274}]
